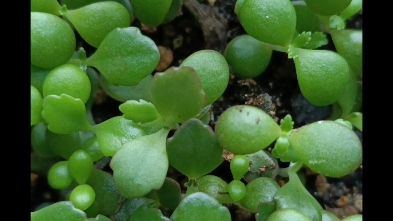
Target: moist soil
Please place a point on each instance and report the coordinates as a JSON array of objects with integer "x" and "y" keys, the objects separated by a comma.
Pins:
[{"x": 211, "y": 25}]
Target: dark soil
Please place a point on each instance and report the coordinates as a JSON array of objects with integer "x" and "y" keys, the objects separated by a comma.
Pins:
[{"x": 276, "y": 92}]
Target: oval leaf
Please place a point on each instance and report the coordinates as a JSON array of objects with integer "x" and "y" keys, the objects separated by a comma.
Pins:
[
  {"x": 139, "y": 112},
  {"x": 213, "y": 186},
  {"x": 65, "y": 114},
  {"x": 194, "y": 150},
  {"x": 327, "y": 147},
  {"x": 147, "y": 214},
  {"x": 125, "y": 56},
  {"x": 177, "y": 94},
  {"x": 200, "y": 206},
  {"x": 134, "y": 171},
  {"x": 129, "y": 206},
  {"x": 60, "y": 211}
]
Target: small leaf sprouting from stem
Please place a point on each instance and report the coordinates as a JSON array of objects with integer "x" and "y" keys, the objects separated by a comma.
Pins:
[
  {"x": 345, "y": 123},
  {"x": 286, "y": 123}
]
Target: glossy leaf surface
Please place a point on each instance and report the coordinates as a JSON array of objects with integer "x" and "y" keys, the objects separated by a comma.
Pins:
[
  {"x": 147, "y": 214},
  {"x": 191, "y": 207},
  {"x": 270, "y": 21},
  {"x": 151, "y": 12},
  {"x": 322, "y": 75},
  {"x": 194, "y": 150},
  {"x": 177, "y": 94},
  {"x": 134, "y": 172},
  {"x": 82, "y": 196},
  {"x": 239, "y": 166},
  {"x": 139, "y": 111},
  {"x": 95, "y": 21},
  {"x": 327, "y": 147},
  {"x": 247, "y": 56},
  {"x": 52, "y": 40},
  {"x": 67, "y": 79},
  {"x": 260, "y": 190},
  {"x": 125, "y": 56},
  {"x": 107, "y": 195},
  {"x": 60, "y": 211},
  {"x": 65, "y": 114},
  {"x": 59, "y": 176},
  {"x": 213, "y": 186},
  {"x": 92, "y": 147},
  {"x": 237, "y": 190},
  {"x": 213, "y": 71},
  {"x": 243, "y": 129},
  {"x": 113, "y": 133},
  {"x": 80, "y": 166}
]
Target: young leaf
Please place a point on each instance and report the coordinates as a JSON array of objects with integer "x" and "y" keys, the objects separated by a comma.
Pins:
[
  {"x": 139, "y": 112},
  {"x": 317, "y": 40},
  {"x": 270, "y": 21},
  {"x": 129, "y": 206},
  {"x": 65, "y": 114},
  {"x": 336, "y": 22},
  {"x": 80, "y": 166},
  {"x": 356, "y": 120},
  {"x": 293, "y": 195},
  {"x": 213, "y": 71},
  {"x": 213, "y": 186},
  {"x": 177, "y": 95},
  {"x": 286, "y": 124},
  {"x": 262, "y": 164},
  {"x": 125, "y": 56},
  {"x": 147, "y": 214},
  {"x": 134, "y": 172},
  {"x": 194, "y": 150},
  {"x": 237, "y": 190},
  {"x": 354, "y": 7},
  {"x": 200, "y": 206},
  {"x": 113, "y": 133},
  {"x": 95, "y": 21},
  {"x": 60, "y": 211},
  {"x": 107, "y": 195},
  {"x": 260, "y": 190},
  {"x": 345, "y": 123},
  {"x": 243, "y": 129},
  {"x": 327, "y": 147},
  {"x": 301, "y": 39},
  {"x": 288, "y": 214},
  {"x": 239, "y": 166}
]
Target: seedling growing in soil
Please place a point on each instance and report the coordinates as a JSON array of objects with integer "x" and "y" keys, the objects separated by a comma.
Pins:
[{"x": 165, "y": 123}]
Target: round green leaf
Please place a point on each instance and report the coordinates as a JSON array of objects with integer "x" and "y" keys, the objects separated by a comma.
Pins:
[
  {"x": 92, "y": 147},
  {"x": 237, "y": 190},
  {"x": 169, "y": 195},
  {"x": 52, "y": 40},
  {"x": 129, "y": 206},
  {"x": 200, "y": 206},
  {"x": 35, "y": 106},
  {"x": 213, "y": 186},
  {"x": 147, "y": 214},
  {"x": 48, "y": 6},
  {"x": 59, "y": 176},
  {"x": 113, "y": 133},
  {"x": 82, "y": 196},
  {"x": 348, "y": 99},
  {"x": 80, "y": 166},
  {"x": 60, "y": 211},
  {"x": 139, "y": 112},
  {"x": 107, "y": 196},
  {"x": 95, "y": 21},
  {"x": 92, "y": 211},
  {"x": 68, "y": 79},
  {"x": 243, "y": 129},
  {"x": 125, "y": 93},
  {"x": 37, "y": 77},
  {"x": 306, "y": 20},
  {"x": 125, "y": 56},
  {"x": 177, "y": 95},
  {"x": 327, "y": 147},
  {"x": 213, "y": 71},
  {"x": 349, "y": 44},
  {"x": 247, "y": 56},
  {"x": 134, "y": 171},
  {"x": 260, "y": 190},
  {"x": 262, "y": 164},
  {"x": 239, "y": 166},
  {"x": 322, "y": 75},
  {"x": 194, "y": 150},
  {"x": 65, "y": 114},
  {"x": 326, "y": 8},
  {"x": 151, "y": 12},
  {"x": 270, "y": 21},
  {"x": 288, "y": 214}
]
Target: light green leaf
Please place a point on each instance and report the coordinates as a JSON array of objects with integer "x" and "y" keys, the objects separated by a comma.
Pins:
[
  {"x": 336, "y": 22},
  {"x": 286, "y": 124},
  {"x": 194, "y": 150},
  {"x": 301, "y": 39},
  {"x": 113, "y": 133},
  {"x": 65, "y": 114},
  {"x": 213, "y": 186},
  {"x": 317, "y": 40},
  {"x": 288, "y": 214},
  {"x": 139, "y": 112},
  {"x": 125, "y": 56},
  {"x": 356, "y": 120},
  {"x": 200, "y": 206},
  {"x": 134, "y": 171},
  {"x": 60, "y": 211},
  {"x": 177, "y": 95}
]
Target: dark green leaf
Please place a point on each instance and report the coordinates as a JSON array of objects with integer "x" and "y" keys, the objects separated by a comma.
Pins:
[{"x": 60, "y": 211}]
